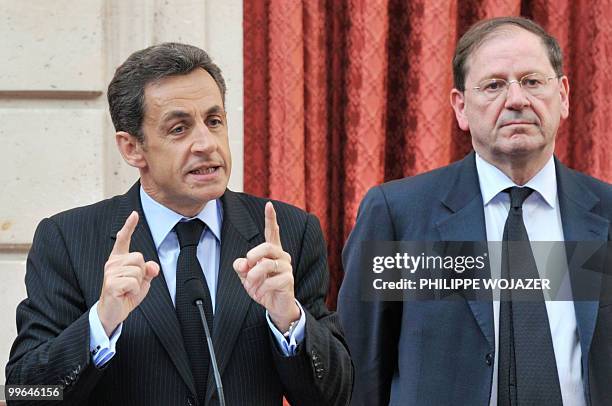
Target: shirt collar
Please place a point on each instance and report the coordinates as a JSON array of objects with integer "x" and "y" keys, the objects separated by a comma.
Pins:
[
  {"x": 161, "y": 220},
  {"x": 493, "y": 181}
]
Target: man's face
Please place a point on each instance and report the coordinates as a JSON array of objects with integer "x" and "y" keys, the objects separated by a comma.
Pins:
[
  {"x": 185, "y": 156},
  {"x": 516, "y": 125}
]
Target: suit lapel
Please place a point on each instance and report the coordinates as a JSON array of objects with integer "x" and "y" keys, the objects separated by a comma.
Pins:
[
  {"x": 157, "y": 306},
  {"x": 580, "y": 223},
  {"x": 465, "y": 222},
  {"x": 238, "y": 236}
]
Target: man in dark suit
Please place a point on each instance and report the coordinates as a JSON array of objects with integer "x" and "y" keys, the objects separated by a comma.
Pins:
[
  {"x": 110, "y": 316},
  {"x": 511, "y": 94}
]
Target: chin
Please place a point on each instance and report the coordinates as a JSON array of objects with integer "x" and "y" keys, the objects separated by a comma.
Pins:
[
  {"x": 521, "y": 149},
  {"x": 211, "y": 193},
  {"x": 522, "y": 140}
]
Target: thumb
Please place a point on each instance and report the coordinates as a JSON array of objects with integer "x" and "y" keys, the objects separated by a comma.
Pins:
[
  {"x": 241, "y": 267},
  {"x": 151, "y": 270}
]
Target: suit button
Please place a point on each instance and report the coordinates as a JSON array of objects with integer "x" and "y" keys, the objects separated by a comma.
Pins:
[
  {"x": 317, "y": 364},
  {"x": 315, "y": 355},
  {"x": 489, "y": 358},
  {"x": 190, "y": 401}
]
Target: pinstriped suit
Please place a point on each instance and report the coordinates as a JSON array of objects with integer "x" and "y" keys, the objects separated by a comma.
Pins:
[{"x": 64, "y": 279}]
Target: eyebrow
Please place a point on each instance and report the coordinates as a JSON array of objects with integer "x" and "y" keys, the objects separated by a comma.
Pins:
[
  {"x": 216, "y": 109},
  {"x": 174, "y": 114},
  {"x": 504, "y": 77}
]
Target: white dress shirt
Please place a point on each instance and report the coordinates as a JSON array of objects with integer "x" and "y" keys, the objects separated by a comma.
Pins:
[
  {"x": 161, "y": 221},
  {"x": 542, "y": 219}
]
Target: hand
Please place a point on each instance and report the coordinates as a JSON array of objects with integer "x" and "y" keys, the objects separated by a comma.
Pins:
[
  {"x": 267, "y": 275},
  {"x": 127, "y": 279}
]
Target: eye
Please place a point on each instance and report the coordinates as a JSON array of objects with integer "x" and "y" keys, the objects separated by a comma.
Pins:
[
  {"x": 492, "y": 86},
  {"x": 532, "y": 82},
  {"x": 179, "y": 129},
  {"x": 214, "y": 122}
]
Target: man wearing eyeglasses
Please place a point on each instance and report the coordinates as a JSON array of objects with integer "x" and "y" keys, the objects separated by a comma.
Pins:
[{"x": 510, "y": 93}]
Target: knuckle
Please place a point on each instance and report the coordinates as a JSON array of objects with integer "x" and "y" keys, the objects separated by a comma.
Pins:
[
  {"x": 252, "y": 275},
  {"x": 134, "y": 285},
  {"x": 252, "y": 258},
  {"x": 136, "y": 271},
  {"x": 110, "y": 265},
  {"x": 259, "y": 278},
  {"x": 138, "y": 257},
  {"x": 121, "y": 235}
]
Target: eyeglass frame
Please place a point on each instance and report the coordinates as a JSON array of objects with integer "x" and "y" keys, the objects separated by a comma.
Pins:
[{"x": 517, "y": 81}]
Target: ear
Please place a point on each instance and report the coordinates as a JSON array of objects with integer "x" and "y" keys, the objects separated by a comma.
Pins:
[
  {"x": 457, "y": 99},
  {"x": 131, "y": 149},
  {"x": 564, "y": 91}
]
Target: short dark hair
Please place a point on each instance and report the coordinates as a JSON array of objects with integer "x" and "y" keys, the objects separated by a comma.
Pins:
[
  {"x": 479, "y": 32},
  {"x": 126, "y": 89}
]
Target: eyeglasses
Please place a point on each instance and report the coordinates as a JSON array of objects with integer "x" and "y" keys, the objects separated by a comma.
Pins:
[{"x": 536, "y": 84}]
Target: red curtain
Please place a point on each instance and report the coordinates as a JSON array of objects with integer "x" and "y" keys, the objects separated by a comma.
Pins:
[{"x": 343, "y": 95}]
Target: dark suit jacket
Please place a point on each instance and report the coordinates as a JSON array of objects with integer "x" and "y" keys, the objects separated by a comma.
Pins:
[
  {"x": 441, "y": 352},
  {"x": 64, "y": 278}
]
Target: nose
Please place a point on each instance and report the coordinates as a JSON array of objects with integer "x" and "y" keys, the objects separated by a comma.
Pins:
[
  {"x": 516, "y": 98},
  {"x": 204, "y": 142}
]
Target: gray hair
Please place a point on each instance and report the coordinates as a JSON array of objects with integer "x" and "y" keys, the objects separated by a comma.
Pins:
[
  {"x": 126, "y": 89},
  {"x": 479, "y": 32}
]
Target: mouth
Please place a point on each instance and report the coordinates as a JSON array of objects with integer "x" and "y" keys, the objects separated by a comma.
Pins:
[
  {"x": 205, "y": 173},
  {"x": 516, "y": 123}
]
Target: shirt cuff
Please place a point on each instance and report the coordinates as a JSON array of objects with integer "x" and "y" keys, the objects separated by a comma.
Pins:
[
  {"x": 102, "y": 348},
  {"x": 288, "y": 345}
]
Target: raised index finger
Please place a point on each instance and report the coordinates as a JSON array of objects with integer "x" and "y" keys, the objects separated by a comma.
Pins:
[
  {"x": 124, "y": 236},
  {"x": 272, "y": 231}
]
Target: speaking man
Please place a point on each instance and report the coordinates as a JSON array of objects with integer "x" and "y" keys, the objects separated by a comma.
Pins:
[
  {"x": 110, "y": 314},
  {"x": 510, "y": 93}
]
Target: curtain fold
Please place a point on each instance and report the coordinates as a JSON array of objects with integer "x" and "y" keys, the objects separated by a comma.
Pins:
[{"x": 340, "y": 96}]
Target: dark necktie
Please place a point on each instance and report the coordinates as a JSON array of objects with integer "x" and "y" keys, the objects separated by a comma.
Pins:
[
  {"x": 527, "y": 368},
  {"x": 188, "y": 267}
]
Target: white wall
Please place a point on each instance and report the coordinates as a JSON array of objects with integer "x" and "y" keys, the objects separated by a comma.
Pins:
[{"x": 56, "y": 139}]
